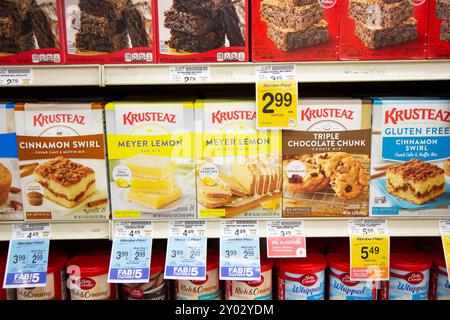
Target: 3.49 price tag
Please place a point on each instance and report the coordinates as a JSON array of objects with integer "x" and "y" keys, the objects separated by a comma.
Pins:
[
  {"x": 285, "y": 239},
  {"x": 27, "y": 262},
  {"x": 131, "y": 252},
  {"x": 444, "y": 228},
  {"x": 369, "y": 250},
  {"x": 239, "y": 250},
  {"x": 186, "y": 251},
  {"x": 276, "y": 96}
]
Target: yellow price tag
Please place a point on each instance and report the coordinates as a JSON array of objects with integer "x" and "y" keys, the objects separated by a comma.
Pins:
[
  {"x": 369, "y": 257},
  {"x": 446, "y": 243},
  {"x": 277, "y": 104}
]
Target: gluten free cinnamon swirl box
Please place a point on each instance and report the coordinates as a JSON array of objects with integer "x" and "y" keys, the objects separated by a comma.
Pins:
[
  {"x": 410, "y": 145},
  {"x": 62, "y": 161}
]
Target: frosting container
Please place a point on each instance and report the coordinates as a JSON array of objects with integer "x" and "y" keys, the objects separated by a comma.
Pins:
[
  {"x": 5, "y": 294},
  {"x": 302, "y": 278},
  {"x": 439, "y": 283},
  {"x": 252, "y": 290}
]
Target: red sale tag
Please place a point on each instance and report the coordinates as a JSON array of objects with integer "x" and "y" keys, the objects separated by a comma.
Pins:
[{"x": 285, "y": 239}]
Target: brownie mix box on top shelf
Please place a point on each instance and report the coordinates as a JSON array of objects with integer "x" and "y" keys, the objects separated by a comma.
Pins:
[
  {"x": 295, "y": 30},
  {"x": 439, "y": 30},
  {"x": 110, "y": 31},
  {"x": 410, "y": 173},
  {"x": 383, "y": 29},
  {"x": 31, "y": 32},
  {"x": 203, "y": 31},
  {"x": 62, "y": 161},
  {"x": 326, "y": 159}
]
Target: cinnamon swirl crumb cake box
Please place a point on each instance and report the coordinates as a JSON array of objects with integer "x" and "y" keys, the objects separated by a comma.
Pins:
[
  {"x": 326, "y": 159},
  {"x": 410, "y": 149},
  {"x": 62, "y": 161}
]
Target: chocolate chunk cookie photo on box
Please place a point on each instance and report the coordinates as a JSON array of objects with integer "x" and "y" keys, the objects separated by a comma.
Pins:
[
  {"x": 203, "y": 31},
  {"x": 383, "y": 29},
  {"x": 295, "y": 30},
  {"x": 110, "y": 31}
]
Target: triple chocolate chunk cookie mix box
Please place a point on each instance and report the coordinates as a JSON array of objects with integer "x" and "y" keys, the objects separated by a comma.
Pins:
[
  {"x": 203, "y": 31},
  {"x": 383, "y": 29},
  {"x": 295, "y": 30},
  {"x": 62, "y": 161},
  {"x": 238, "y": 167},
  {"x": 10, "y": 188},
  {"x": 31, "y": 32},
  {"x": 151, "y": 159},
  {"x": 326, "y": 159},
  {"x": 410, "y": 171},
  {"x": 439, "y": 30},
  {"x": 110, "y": 31}
]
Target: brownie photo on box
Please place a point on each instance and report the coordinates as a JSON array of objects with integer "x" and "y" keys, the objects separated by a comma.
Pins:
[
  {"x": 198, "y": 26},
  {"x": 294, "y": 24},
  {"x": 443, "y": 12},
  {"x": 382, "y": 23}
]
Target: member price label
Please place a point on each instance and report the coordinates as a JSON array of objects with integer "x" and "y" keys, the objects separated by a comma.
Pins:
[
  {"x": 190, "y": 74},
  {"x": 131, "y": 252},
  {"x": 276, "y": 96},
  {"x": 27, "y": 261},
  {"x": 10, "y": 77},
  {"x": 239, "y": 250},
  {"x": 444, "y": 228},
  {"x": 285, "y": 239},
  {"x": 186, "y": 251},
  {"x": 369, "y": 250}
]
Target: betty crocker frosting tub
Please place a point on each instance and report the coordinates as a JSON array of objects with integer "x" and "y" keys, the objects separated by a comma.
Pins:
[
  {"x": 409, "y": 277},
  {"x": 340, "y": 285},
  {"x": 439, "y": 283},
  {"x": 5, "y": 294},
  {"x": 88, "y": 277},
  {"x": 252, "y": 290},
  {"x": 55, "y": 287},
  {"x": 208, "y": 289},
  {"x": 302, "y": 278}
]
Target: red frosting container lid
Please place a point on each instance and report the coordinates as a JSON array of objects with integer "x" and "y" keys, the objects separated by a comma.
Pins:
[
  {"x": 410, "y": 261},
  {"x": 314, "y": 262},
  {"x": 440, "y": 261},
  {"x": 3, "y": 258},
  {"x": 212, "y": 260},
  {"x": 158, "y": 262},
  {"x": 339, "y": 261},
  {"x": 266, "y": 264},
  {"x": 56, "y": 261},
  {"x": 91, "y": 264}
]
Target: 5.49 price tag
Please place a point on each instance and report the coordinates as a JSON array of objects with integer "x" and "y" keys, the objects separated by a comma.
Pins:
[
  {"x": 27, "y": 262},
  {"x": 276, "y": 96},
  {"x": 369, "y": 250}
]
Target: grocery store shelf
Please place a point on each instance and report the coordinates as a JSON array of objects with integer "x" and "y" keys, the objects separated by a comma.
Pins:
[{"x": 67, "y": 230}]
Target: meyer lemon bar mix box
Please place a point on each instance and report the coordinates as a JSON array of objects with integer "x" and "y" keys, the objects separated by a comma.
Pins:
[
  {"x": 151, "y": 159},
  {"x": 238, "y": 166}
]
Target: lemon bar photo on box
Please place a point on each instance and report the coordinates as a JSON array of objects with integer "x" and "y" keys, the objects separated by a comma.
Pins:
[{"x": 152, "y": 182}]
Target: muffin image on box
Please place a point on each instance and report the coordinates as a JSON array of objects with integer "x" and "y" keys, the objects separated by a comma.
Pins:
[{"x": 5, "y": 184}]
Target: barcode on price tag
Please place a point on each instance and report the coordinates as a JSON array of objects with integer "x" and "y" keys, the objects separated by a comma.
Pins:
[
  {"x": 188, "y": 228},
  {"x": 31, "y": 230},
  {"x": 10, "y": 77},
  {"x": 123, "y": 229},
  {"x": 275, "y": 73},
  {"x": 190, "y": 74},
  {"x": 239, "y": 228}
]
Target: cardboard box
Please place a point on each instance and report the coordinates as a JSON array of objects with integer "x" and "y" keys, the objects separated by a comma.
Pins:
[
  {"x": 410, "y": 157},
  {"x": 304, "y": 30},
  {"x": 439, "y": 30},
  {"x": 11, "y": 207},
  {"x": 31, "y": 32},
  {"x": 62, "y": 161},
  {"x": 383, "y": 29},
  {"x": 203, "y": 31},
  {"x": 151, "y": 159},
  {"x": 238, "y": 166},
  {"x": 110, "y": 32},
  {"x": 326, "y": 159}
]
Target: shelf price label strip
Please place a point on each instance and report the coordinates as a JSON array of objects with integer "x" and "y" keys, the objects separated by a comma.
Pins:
[
  {"x": 11, "y": 77},
  {"x": 239, "y": 250},
  {"x": 276, "y": 96},
  {"x": 186, "y": 250},
  {"x": 286, "y": 239},
  {"x": 444, "y": 228},
  {"x": 131, "y": 252},
  {"x": 369, "y": 250},
  {"x": 27, "y": 262},
  {"x": 190, "y": 74}
]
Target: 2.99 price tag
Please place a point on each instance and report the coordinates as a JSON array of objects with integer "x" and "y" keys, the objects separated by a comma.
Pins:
[
  {"x": 131, "y": 252},
  {"x": 285, "y": 239},
  {"x": 186, "y": 251},
  {"x": 276, "y": 96},
  {"x": 444, "y": 228},
  {"x": 27, "y": 262},
  {"x": 369, "y": 250},
  {"x": 239, "y": 250}
]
